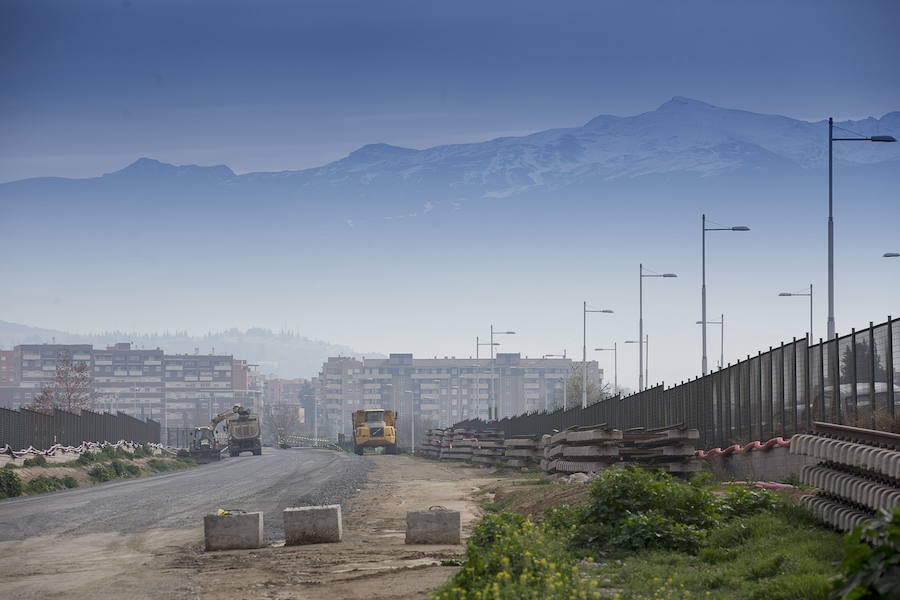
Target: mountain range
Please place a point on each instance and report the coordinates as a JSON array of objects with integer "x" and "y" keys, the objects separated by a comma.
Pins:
[{"x": 681, "y": 136}]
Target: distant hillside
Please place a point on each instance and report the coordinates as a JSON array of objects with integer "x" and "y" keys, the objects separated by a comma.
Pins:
[{"x": 285, "y": 354}]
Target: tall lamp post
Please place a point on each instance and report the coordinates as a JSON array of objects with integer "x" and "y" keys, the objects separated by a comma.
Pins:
[
  {"x": 831, "y": 140},
  {"x": 584, "y": 350},
  {"x": 615, "y": 352},
  {"x": 810, "y": 294},
  {"x": 640, "y": 341},
  {"x": 412, "y": 419},
  {"x": 478, "y": 345},
  {"x": 492, "y": 402},
  {"x": 703, "y": 286},
  {"x": 721, "y": 323},
  {"x": 645, "y": 343}
]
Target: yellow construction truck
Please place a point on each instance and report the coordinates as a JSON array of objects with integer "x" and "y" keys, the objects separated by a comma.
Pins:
[{"x": 375, "y": 428}]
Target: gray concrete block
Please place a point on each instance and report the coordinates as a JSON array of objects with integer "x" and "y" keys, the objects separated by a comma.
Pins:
[
  {"x": 235, "y": 531},
  {"x": 312, "y": 525},
  {"x": 438, "y": 526}
]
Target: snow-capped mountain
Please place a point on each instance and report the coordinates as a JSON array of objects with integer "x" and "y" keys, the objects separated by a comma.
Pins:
[{"x": 681, "y": 136}]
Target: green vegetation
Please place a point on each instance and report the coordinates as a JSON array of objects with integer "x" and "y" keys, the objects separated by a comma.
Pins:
[
  {"x": 42, "y": 484},
  {"x": 102, "y": 473},
  {"x": 144, "y": 451},
  {"x": 510, "y": 558},
  {"x": 39, "y": 460},
  {"x": 871, "y": 571},
  {"x": 658, "y": 538},
  {"x": 10, "y": 484},
  {"x": 86, "y": 458}
]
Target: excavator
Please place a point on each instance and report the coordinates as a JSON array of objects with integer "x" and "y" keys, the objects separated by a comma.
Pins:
[{"x": 243, "y": 434}]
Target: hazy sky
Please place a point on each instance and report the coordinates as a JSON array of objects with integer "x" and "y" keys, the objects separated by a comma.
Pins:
[{"x": 88, "y": 87}]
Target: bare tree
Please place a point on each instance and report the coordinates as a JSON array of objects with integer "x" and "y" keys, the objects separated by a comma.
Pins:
[
  {"x": 595, "y": 392},
  {"x": 279, "y": 421},
  {"x": 72, "y": 388}
]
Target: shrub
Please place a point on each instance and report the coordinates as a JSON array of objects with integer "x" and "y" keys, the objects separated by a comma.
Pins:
[
  {"x": 182, "y": 453},
  {"x": 633, "y": 509},
  {"x": 86, "y": 458},
  {"x": 102, "y": 473},
  {"x": 38, "y": 461},
  {"x": 119, "y": 467},
  {"x": 42, "y": 484},
  {"x": 871, "y": 565},
  {"x": 132, "y": 470},
  {"x": 510, "y": 558},
  {"x": 10, "y": 484},
  {"x": 113, "y": 452},
  {"x": 70, "y": 482}
]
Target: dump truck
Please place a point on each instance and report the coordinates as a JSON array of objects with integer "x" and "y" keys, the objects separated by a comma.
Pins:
[
  {"x": 243, "y": 433},
  {"x": 374, "y": 428},
  {"x": 205, "y": 447}
]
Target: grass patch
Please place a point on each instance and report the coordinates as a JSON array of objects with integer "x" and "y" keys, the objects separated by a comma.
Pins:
[
  {"x": 775, "y": 555},
  {"x": 161, "y": 465}
]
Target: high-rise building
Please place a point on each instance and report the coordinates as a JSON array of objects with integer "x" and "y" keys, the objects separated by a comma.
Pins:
[
  {"x": 129, "y": 380},
  {"x": 442, "y": 391}
]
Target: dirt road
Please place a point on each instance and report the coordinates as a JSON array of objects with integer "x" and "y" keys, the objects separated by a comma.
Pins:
[{"x": 373, "y": 562}]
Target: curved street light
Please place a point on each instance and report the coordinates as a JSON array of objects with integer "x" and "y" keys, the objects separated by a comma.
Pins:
[
  {"x": 831, "y": 140},
  {"x": 640, "y": 341},
  {"x": 703, "y": 284},
  {"x": 810, "y": 294}
]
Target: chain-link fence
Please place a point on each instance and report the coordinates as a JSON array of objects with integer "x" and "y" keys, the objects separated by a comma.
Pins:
[
  {"x": 851, "y": 380},
  {"x": 23, "y": 428}
]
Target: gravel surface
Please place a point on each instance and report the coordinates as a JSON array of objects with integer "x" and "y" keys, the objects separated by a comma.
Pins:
[{"x": 270, "y": 483}]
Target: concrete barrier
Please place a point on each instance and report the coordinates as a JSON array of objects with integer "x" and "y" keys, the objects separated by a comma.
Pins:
[
  {"x": 234, "y": 531},
  {"x": 312, "y": 525},
  {"x": 436, "y": 526}
]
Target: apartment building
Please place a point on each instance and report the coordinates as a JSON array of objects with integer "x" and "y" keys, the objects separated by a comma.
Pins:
[
  {"x": 441, "y": 391},
  {"x": 7, "y": 368},
  {"x": 179, "y": 390},
  {"x": 129, "y": 380}
]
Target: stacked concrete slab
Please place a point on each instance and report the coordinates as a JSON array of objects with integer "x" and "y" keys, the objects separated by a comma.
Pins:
[
  {"x": 459, "y": 446},
  {"x": 672, "y": 450},
  {"x": 855, "y": 476},
  {"x": 489, "y": 447},
  {"x": 522, "y": 451},
  {"x": 431, "y": 443},
  {"x": 580, "y": 450}
]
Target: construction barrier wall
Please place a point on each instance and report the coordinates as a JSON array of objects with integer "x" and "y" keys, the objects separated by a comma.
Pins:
[
  {"x": 851, "y": 380},
  {"x": 22, "y": 428}
]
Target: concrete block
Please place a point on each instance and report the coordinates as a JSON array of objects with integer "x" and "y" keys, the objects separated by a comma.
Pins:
[
  {"x": 236, "y": 531},
  {"x": 312, "y": 525},
  {"x": 438, "y": 526}
]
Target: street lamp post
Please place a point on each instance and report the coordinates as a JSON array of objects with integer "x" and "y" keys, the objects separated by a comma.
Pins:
[
  {"x": 703, "y": 285},
  {"x": 720, "y": 322},
  {"x": 810, "y": 294},
  {"x": 831, "y": 140},
  {"x": 478, "y": 345},
  {"x": 584, "y": 351},
  {"x": 412, "y": 419},
  {"x": 645, "y": 344},
  {"x": 492, "y": 401},
  {"x": 615, "y": 352},
  {"x": 640, "y": 341}
]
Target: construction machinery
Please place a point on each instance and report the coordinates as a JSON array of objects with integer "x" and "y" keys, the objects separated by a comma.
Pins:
[
  {"x": 243, "y": 434},
  {"x": 375, "y": 428}
]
